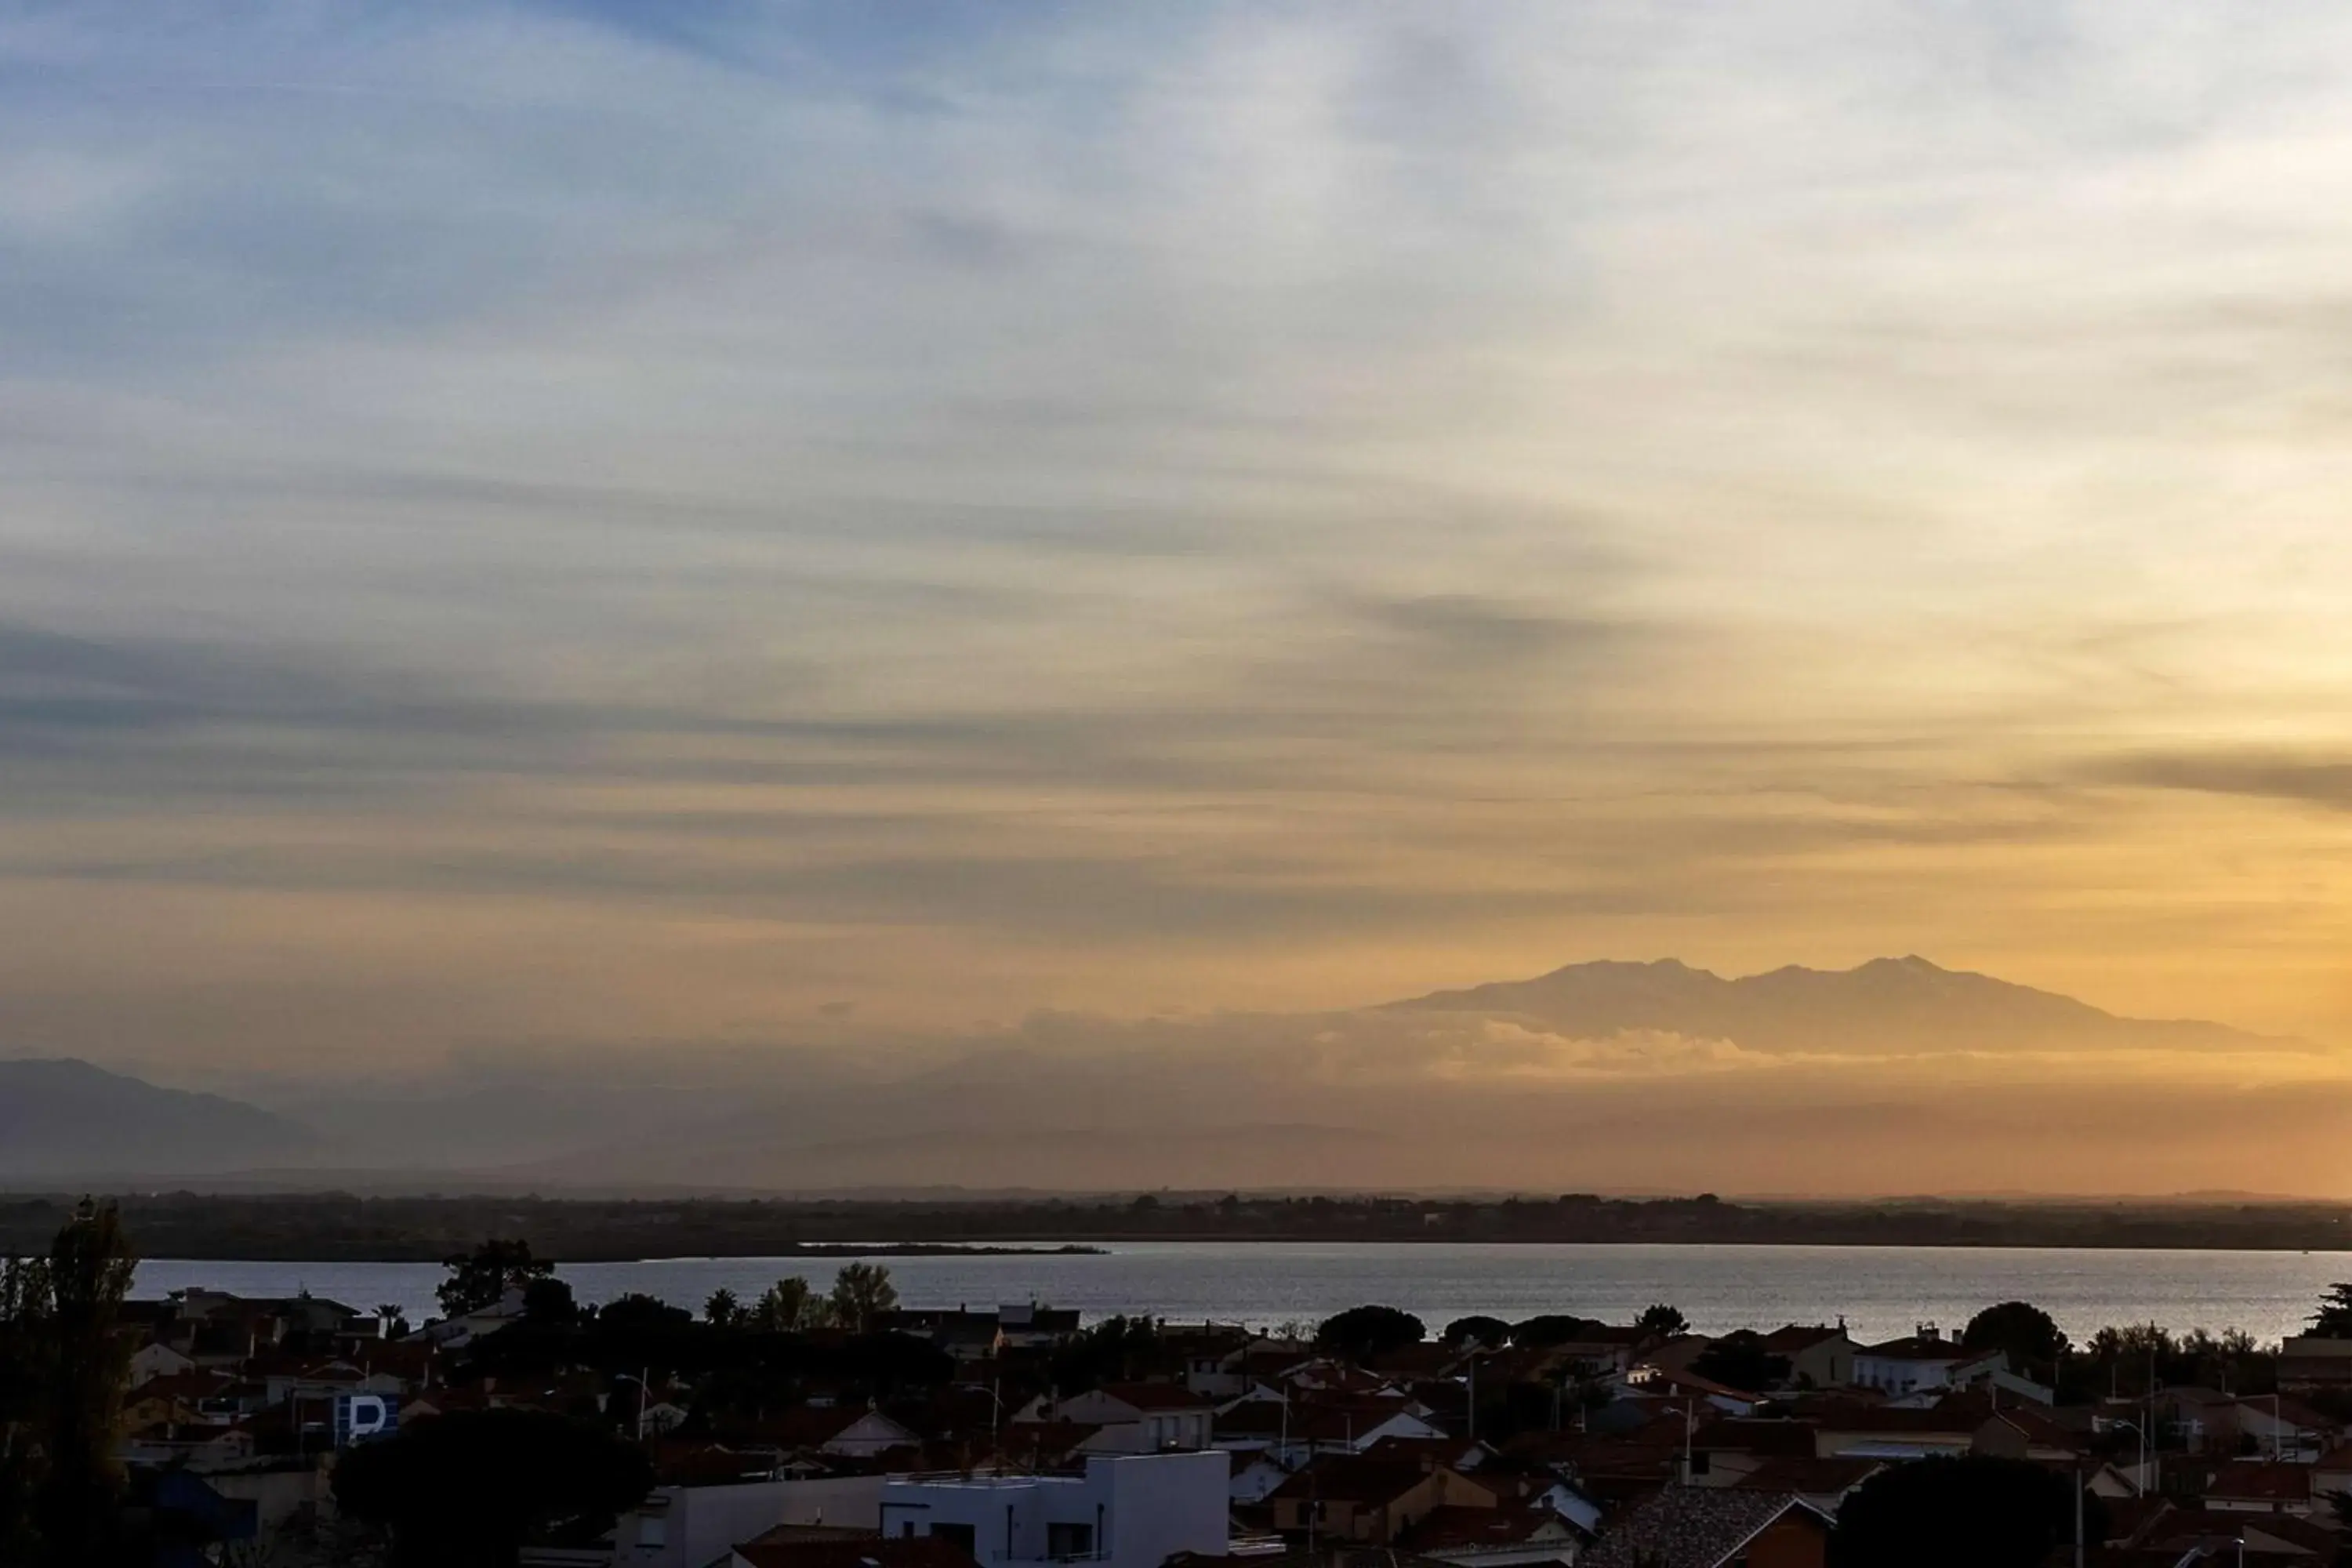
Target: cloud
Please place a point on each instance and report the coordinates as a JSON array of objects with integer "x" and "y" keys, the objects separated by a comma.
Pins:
[
  {"x": 1224, "y": 508},
  {"x": 2251, "y": 772}
]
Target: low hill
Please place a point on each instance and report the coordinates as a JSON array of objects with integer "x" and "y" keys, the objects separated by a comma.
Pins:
[{"x": 63, "y": 1119}]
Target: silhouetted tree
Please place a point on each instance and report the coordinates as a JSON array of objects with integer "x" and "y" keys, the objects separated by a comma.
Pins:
[
  {"x": 26, "y": 1349},
  {"x": 861, "y": 1293},
  {"x": 2029, "y": 1336},
  {"x": 1115, "y": 1350},
  {"x": 481, "y": 1278},
  {"x": 637, "y": 1312},
  {"x": 722, "y": 1311},
  {"x": 62, "y": 1370},
  {"x": 1973, "y": 1511},
  {"x": 1492, "y": 1332},
  {"x": 548, "y": 1302},
  {"x": 469, "y": 1488},
  {"x": 90, "y": 1266},
  {"x": 1660, "y": 1319},
  {"x": 787, "y": 1307},
  {"x": 1361, "y": 1334},
  {"x": 1548, "y": 1329},
  {"x": 1740, "y": 1360},
  {"x": 2333, "y": 1318}
]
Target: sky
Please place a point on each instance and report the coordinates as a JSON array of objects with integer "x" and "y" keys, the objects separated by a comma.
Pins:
[{"x": 628, "y": 529}]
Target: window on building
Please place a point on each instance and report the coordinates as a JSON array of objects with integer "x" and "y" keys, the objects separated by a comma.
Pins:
[
  {"x": 1067, "y": 1540},
  {"x": 961, "y": 1535}
]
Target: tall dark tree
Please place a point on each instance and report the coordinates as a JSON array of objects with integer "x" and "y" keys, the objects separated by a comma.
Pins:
[
  {"x": 471, "y": 1489},
  {"x": 1974, "y": 1511},
  {"x": 62, "y": 1371},
  {"x": 1361, "y": 1334},
  {"x": 481, "y": 1278},
  {"x": 2029, "y": 1336},
  {"x": 90, "y": 1266},
  {"x": 2333, "y": 1318},
  {"x": 25, "y": 1350},
  {"x": 861, "y": 1293}
]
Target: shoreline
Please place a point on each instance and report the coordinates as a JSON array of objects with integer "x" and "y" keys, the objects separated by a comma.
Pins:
[{"x": 1104, "y": 1247}]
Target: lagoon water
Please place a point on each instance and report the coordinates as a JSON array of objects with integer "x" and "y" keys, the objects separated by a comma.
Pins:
[{"x": 1881, "y": 1291}]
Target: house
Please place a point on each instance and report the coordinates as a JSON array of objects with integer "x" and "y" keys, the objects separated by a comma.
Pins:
[
  {"x": 2279, "y": 1539},
  {"x": 1820, "y": 1483},
  {"x": 1028, "y": 1326},
  {"x": 1370, "y": 1499},
  {"x": 1724, "y": 1453},
  {"x": 2285, "y": 1427},
  {"x": 1818, "y": 1356},
  {"x": 1214, "y": 1357},
  {"x": 1134, "y": 1417},
  {"x": 1131, "y": 1511},
  {"x": 789, "y": 1548},
  {"x": 1864, "y": 1432},
  {"x": 844, "y": 1431},
  {"x": 2309, "y": 1362},
  {"x": 1659, "y": 1382},
  {"x": 1254, "y": 1478},
  {"x": 1709, "y": 1527},
  {"x": 1508, "y": 1537},
  {"x": 1926, "y": 1360},
  {"x": 2332, "y": 1472},
  {"x": 1291, "y": 1433},
  {"x": 155, "y": 1359},
  {"x": 2259, "y": 1486},
  {"x": 693, "y": 1526},
  {"x": 2021, "y": 1432}
]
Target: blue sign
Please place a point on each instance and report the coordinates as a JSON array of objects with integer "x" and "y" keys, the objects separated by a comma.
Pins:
[{"x": 361, "y": 1416}]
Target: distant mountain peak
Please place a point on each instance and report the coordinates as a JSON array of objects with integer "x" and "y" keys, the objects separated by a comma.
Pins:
[
  {"x": 62, "y": 1116},
  {"x": 1883, "y": 1005}
]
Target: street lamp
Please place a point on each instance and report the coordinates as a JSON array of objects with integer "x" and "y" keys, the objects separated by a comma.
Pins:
[{"x": 2139, "y": 1475}]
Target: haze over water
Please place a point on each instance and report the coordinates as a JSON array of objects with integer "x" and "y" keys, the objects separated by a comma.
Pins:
[{"x": 1881, "y": 1292}]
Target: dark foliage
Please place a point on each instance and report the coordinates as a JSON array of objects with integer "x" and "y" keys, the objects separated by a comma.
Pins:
[
  {"x": 1492, "y": 1332},
  {"x": 1548, "y": 1329},
  {"x": 636, "y": 1313},
  {"x": 548, "y": 1301},
  {"x": 1659, "y": 1318},
  {"x": 344, "y": 1226},
  {"x": 2027, "y": 1335},
  {"x": 479, "y": 1278},
  {"x": 1360, "y": 1333},
  {"x": 1117, "y": 1350},
  {"x": 2333, "y": 1318},
  {"x": 1740, "y": 1360},
  {"x": 1973, "y": 1511},
  {"x": 469, "y": 1488},
  {"x": 62, "y": 1371}
]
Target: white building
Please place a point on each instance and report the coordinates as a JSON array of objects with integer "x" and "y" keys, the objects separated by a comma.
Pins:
[
  {"x": 1134, "y": 1417},
  {"x": 1129, "y": 1512},
  {"x": 1927, "y": 1359},
  {"x": 690, "y": 1527}
]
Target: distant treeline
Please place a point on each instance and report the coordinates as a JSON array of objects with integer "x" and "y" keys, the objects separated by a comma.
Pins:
[{"x": 341, "y": 1227}]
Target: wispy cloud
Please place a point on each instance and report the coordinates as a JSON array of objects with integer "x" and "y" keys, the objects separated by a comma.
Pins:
[{"x": 669, "y": 523}]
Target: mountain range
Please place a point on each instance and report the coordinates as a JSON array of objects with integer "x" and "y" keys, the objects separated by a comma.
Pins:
[{"x": 1900, "y": 1075}]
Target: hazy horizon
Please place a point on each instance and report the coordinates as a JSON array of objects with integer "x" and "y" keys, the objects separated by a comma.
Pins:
[{"x": 562, "y": 540}]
